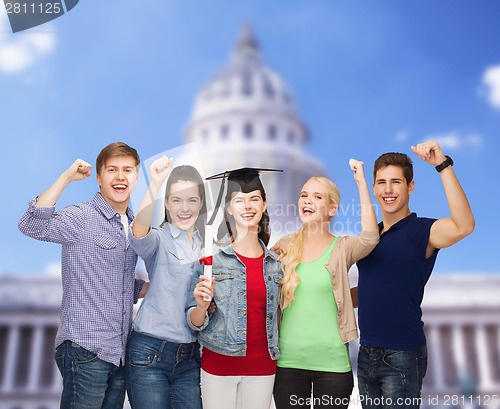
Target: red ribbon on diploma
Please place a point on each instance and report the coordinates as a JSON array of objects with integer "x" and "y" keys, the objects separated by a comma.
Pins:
[{"x": 207, "y": 261}]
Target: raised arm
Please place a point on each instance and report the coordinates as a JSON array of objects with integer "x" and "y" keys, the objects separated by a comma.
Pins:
[
  {"x": 368, "y": 218},
  {"x": 42, "y": 222},
  {"x": 159, "y": 171},
  {"x": 360, "y": 246},
  {"x": 447, "y": 231},
  {"x": 79, "y": 170}
]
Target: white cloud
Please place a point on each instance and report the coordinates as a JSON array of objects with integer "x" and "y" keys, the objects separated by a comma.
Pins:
[
  {"x": 402, "y": 136},
  {"x": 456, "y": 141},
  {"x": 53, "y": 269},
  {"x": 21, "y": 50},
  {"x": 491, "y": 83}
]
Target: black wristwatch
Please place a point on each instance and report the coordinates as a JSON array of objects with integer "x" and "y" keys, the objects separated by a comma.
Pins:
[{"x": 447, "y": 162}]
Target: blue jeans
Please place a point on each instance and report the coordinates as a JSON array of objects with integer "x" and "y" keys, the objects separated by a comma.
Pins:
[
  {"x": 389, "y": 378},
  {"x": 88, "y": 382},
  {"x": 162, "y": 374}
]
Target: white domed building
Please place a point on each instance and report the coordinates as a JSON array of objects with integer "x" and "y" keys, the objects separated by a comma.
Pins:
[{"x": 245, "y": 116}]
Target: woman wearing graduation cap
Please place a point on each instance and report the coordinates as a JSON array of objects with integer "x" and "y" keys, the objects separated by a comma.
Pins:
[
  {"x": 163, "y": 355},
  {"x": 240, "y": 339},
  {"x": 318, "y": 316}
]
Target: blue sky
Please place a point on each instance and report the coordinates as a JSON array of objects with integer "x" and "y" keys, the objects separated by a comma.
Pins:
[{"x": 368, "y": 77}]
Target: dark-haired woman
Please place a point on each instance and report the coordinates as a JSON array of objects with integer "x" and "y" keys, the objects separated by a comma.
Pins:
[
  {"x": 163, "y": 356},
  {"x": 240, "y": 339}
]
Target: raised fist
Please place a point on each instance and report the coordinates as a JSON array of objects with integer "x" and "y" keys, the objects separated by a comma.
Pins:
[
  {"x": 429, "y": 152},
  {"x": 79, "y": 170},
  {"x": 160, "y": 169},
  {"x": 358, "y": 168}
]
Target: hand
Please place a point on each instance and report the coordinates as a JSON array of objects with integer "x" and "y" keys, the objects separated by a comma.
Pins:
[
  {"x": 358, "y": 168},
  {"x": 212, "y": 307},
  {"x": 79, "y": 170},
  {"x": 280, "y": 251},
  {"x": 429, "y": 152},
  {"x": 160, "y": 169},
  {"x": 204, "y": 289}
]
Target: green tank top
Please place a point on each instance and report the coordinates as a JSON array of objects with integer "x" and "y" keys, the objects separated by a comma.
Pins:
[{"x": 309, "y": 332}]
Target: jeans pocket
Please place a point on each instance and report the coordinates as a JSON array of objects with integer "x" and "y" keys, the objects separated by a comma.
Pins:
[
  {"x": 140, "y": 357},
  {"x": 80, "y": 355},
  {"x": 396, "y": 360}
]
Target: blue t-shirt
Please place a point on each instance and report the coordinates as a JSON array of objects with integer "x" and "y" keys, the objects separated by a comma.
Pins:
[{"x": 391, "y": 286}]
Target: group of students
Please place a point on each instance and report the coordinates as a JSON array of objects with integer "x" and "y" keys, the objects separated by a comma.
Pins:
[{"x": 270, "y": 323}]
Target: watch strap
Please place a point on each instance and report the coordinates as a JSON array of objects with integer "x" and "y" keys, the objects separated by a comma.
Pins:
[{"x": 447, "y": 162}]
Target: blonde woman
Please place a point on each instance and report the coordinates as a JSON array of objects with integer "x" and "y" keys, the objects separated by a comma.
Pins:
[{"x": 318, "y": 316}]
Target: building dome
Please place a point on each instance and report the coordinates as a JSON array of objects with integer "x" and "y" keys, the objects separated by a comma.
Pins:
[
  {"x": 245, "y": 116},
  {"x": 245, "y": 85}
]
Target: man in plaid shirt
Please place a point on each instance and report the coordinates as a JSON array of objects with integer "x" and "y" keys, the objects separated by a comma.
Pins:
[{"x": 98, "y": 276}]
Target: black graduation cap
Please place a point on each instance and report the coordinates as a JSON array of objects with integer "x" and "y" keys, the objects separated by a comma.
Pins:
[{"x": 243, "y": 180}]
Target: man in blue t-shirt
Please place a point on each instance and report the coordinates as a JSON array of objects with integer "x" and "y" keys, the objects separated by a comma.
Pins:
[{"x": 392, "y": 358}]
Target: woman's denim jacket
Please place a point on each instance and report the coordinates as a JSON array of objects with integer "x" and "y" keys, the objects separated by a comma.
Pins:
[{"x": 224, "y": 331}]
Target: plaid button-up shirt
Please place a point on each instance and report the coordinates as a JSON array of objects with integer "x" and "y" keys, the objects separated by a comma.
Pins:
[{"x": 98, "y": 273}]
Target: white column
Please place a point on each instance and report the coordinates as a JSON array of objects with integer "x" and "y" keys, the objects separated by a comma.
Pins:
[
  {"x": 485, "y": 373},
  {"x": 458, "y": 345},
  {"x": 437, "y": 358},
  {"x": 11, "y": 359},
  {"x": 36, "y": 359}
]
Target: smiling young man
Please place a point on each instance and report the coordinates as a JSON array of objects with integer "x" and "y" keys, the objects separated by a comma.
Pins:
[
  {"x": 392, "y": 358},
  {"x": 98, "y": 276}
]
